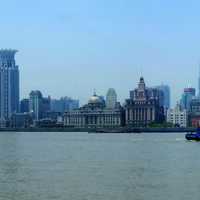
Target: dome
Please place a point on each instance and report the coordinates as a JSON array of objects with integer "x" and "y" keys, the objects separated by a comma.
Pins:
[{"x": 95, "y": 99}]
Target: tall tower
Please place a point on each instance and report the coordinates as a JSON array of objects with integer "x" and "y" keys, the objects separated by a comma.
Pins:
[
  {"x": 199, "y": 83},
  {"x": 166, "y": 92},
  {"x": 188, "y": 95},
  {"x": 35, "y": 104},
  {"x": 9, "y": 84},
  {"x": 111, "y": 98}
]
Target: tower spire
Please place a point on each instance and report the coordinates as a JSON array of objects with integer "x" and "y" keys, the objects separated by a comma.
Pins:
[{"x": 95, "y": 94}]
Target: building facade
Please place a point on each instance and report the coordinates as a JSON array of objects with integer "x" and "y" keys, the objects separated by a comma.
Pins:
[
  {"x": 9, "y": 84},
  {"x": 94, "y": 115},
  {"x": 111, "y": 98},
  {"x": 144, "y": 106},
  {"x": 177, "y": 116},
  {"x": 166, "y": 95},
  {"x": 38, "y": 105},
  {"x": 20, "y": 120},
  {"x": 199, "y": 83},
  {"x": 187, "y": 96},
  {"x": 35, "y": 104},
  {"x": 24, "y": 106},
  {"x": 194, "y": 113},
  {"x": 64, "y": 104}
]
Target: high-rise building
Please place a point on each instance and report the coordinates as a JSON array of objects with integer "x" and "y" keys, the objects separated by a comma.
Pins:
[
  {"x": 24, "y": 106},
  {"x": 166, "y": 95},
  {"x": 187, "y": 96},
  {"x": 46, "y": 105},
  {"x": 35, "y": 104},
  {"x": 9, "y": 84},
  {"x": 199, "y": 84},
  {"x": 64, "y": 104},
  {"x": 111, "y": 98},
  {"x": 38, "y": 105}
]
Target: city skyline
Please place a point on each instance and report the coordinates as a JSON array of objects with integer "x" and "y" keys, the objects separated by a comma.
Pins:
[
  {"x": 77, "y": 44},
  {"x": 103, "y": 90}
]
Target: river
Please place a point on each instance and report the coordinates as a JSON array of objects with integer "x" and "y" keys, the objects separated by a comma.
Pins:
[{"x": 81, "y": 166}]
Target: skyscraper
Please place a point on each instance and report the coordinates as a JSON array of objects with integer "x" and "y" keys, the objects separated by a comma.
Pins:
[
  {"x": 24, "y": 106},
  {"x": 64, "y": 104},
  {"x": 187, "y": 96},
  {"x": 199, "y": 83},
  {"x": 166, "y": 92},
  {"x": 9, "y": 84},
  {"x": 111, "y": 98},
  {"x": 35, "y": 104},
  {"x": 38, "y": 105}
]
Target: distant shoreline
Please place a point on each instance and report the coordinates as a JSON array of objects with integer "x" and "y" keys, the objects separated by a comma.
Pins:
[{"x": 102, "y": 130}]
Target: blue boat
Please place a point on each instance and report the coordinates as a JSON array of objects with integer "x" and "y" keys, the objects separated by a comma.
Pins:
[{"x": 193, "y": 136}]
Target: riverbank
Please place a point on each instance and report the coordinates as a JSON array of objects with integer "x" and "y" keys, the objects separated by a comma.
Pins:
[
  {"x": 143, "y": 130},
  {"x": 102, "y": 130}
]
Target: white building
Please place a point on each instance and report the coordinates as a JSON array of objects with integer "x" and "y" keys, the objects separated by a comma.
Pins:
[
  {"x": 177, "y": 116},
  {"x": 111, "y": 99}
]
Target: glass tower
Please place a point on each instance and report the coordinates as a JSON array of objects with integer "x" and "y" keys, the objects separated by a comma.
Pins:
[
  {"x": 187, "y": 96},
  {"x": 9, "y": 84},
  {"x": 199, "y": 83},
  {"x": 111, "y": 98}
]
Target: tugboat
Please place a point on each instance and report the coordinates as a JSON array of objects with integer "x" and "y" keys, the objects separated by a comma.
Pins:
[{"x": 193, "y": 136}]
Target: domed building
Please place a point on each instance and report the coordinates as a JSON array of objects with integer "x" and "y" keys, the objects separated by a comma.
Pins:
[
  {"x": 94, "y": 115},
  {"x": 96, "y": 101}
]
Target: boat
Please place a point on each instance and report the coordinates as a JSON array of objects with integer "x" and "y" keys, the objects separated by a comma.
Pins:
[{"x": 193, "y": 136}]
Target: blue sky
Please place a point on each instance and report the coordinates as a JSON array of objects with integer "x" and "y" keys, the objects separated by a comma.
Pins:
[{"x": 71, "y": 47}]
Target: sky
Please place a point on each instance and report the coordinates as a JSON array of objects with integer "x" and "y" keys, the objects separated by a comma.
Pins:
[{"x": 70, "y": 48}]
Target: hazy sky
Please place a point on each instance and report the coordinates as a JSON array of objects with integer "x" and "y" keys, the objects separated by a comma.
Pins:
[{"x": 71, "y": 47}]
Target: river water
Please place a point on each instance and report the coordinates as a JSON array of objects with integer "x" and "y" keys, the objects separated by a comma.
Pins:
[{"x": 81, "y": 166}]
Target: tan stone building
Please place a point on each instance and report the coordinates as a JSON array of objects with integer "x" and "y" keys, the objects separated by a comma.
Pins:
[
  {"x": 95, "y": 115},
  {"x": 144, "y": 106}
]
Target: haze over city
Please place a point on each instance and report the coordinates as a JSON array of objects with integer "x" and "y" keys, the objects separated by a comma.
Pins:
[{"x": 81, "y": 45}]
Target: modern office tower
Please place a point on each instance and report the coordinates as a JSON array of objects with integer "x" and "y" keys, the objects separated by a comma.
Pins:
[
  {"x": 24, "y": 106},
  {"x": 166, "y": 98},
  {"x": 9, "y": 84},
  {"x": 35, "y": 104},
  {"x": 64, "y": 104},
  {"x": 187, "y": 96},
  {"x": 46, "y": 105},
  {"x": 38, "y": 105},
  {"x": 199, "y": 84},
  {"x": 144, "y": 106},
  {"x": 177, "y": 116},
  {"x": 111, "y": 98}
]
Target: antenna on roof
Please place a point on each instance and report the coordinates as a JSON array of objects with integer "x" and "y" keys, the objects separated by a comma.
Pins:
[{"x": 141, "y": 72}]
